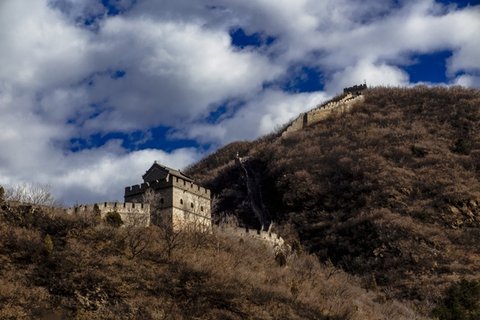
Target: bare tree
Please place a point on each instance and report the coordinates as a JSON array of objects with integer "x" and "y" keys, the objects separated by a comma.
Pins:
[
  {"x": 229, "y": 221},
  {"x": 197, "y": 225},
  {"x": 153, "y": 199},
  {"x": 32, "y": 193},
  {"x": 2, "y": 194},
  {"x": 138, "y": 235},
  {"x": 171, "y": 237}
]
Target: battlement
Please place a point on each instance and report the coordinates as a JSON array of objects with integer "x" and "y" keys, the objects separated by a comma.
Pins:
[
  {"x": 268, "y": 237},
  {"x": 356, "y": 89},
  {"x": 190, "y": 187},
  {"x": 168, "y": 182},
  {"x": 323, "y": 111},
  {"x": 111, "y": 206},
  {"x": 131, "y": 213},
  {"x": 141, "y": 188}
]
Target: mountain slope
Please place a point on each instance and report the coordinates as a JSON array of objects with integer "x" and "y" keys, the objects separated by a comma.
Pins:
[
  {"x": 389, "y": 191},
  {"x": 61, "y": 266}
]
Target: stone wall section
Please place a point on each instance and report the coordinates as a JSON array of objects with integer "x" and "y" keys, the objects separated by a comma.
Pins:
[
  {"x": 190, "y": 187},
  {"x": 183, "y": 204},
  {"x": 270, "y": 238},
  {"x": 322, "y": 112},
  {"x": 137, "y": 214},
  {"x": 136, "y": 191},
  {"x": 297, "y": 124},
  {"x": 191, "y": 210}
]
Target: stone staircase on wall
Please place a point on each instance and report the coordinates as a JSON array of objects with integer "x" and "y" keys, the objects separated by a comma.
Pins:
[{"x": 322, "y": 112}]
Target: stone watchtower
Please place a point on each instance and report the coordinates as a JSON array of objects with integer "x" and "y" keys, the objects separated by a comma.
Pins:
[{"x": 178, "y": 200}]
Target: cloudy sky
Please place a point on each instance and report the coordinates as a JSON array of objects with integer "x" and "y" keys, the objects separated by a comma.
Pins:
[{"x": 93, "y": 91}]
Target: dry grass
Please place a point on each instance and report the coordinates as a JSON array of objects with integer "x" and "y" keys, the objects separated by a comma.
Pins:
[
  {"x": 390, "y": 190},
  {"x": 90, "y": 273}
]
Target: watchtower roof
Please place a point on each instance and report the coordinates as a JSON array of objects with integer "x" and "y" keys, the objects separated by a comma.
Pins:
[{"x": 158, "y": 172}]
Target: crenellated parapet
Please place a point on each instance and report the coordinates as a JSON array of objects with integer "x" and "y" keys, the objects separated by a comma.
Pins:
[
  {"x": 265, "y": 236},
  {"x": 168, "y": 182},
  {"x": 110, "y": 206},
  {"x": 356, "y": 89},
  {"x": 141, "y": 188},
  {"x": 177, "y": 199},
  {"x": 130, "y": 213},
  {"x": 190, "y": 187},
  {"x": 323, "y": 111}
]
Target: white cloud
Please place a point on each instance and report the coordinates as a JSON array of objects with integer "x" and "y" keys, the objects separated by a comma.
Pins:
[
  {"x": 79, "y": 10},
  {"x": 174, "y": 72},
  {"x": 56, "y": 74},
  {"x": 261, "y": 115},
  {"x": 40, "y": 49},
  {"x": 379, "y": 74},
  {"x": 468, "y": 81},
  {"x": 102, "y": 174},
  {"x": 339, "y": 34}
]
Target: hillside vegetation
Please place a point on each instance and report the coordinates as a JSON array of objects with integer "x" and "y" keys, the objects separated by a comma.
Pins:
[
  {"x": 59, "y": 266},
  {"x": 389, "y": 191},
  {"x": 380, "y": 205}
]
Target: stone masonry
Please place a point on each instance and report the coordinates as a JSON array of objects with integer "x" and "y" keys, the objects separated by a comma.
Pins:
[
  {"x": 178, "y": 200},
  {"x": 132, "y": 214},
  {"x": 353, "y": 95},
  {"x": 167, "y": 197}
]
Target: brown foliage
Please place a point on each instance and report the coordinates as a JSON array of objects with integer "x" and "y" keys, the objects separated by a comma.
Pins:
[
  {"x": 88, "y": 273},
  {"x": 390, "y": 189}
]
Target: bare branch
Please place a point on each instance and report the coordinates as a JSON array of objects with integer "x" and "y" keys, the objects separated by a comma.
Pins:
[{"x": 32, "y": 193}]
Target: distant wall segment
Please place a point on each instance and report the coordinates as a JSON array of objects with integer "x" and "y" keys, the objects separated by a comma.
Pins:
[
  {"x": 137, "y": 214},
  {"x": 322, "y": 112},
  {"x": 267, "y": 237}
]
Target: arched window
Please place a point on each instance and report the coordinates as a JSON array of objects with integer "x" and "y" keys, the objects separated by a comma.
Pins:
[
  {"x": 181, "y": 201},
  {"x": 201, "y": 208},
  {"x": 161, "y": 201},
  {"x": 191, "y": 205}
]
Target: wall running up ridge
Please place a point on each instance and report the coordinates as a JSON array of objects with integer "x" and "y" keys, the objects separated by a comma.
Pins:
[
  {"x": 267, "y": 237},
  {"x": 322, "y": 112}
]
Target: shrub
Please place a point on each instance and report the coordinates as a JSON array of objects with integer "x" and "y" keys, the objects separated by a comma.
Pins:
[
  {"x": 32, "y": 193},
  {"x": 418, "y": 151},
  {"x": 96, "y": 210},
  {"x": 461, "y": 302},
  {"x": 463, "y": 146},
  {"x": 409, "y": 155},
  {"x": 48, "y": 244},
  {"x": 114, "y": 219}
]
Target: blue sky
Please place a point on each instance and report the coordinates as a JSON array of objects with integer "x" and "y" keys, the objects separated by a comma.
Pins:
[{"x": 93, "y": 91}]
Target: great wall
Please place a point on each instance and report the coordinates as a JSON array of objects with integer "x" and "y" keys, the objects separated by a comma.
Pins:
[
  {"x": 273, "y": 240},
  {"x": 170, "y": 180},
  {"x": 161, "y": 179},
  {"x": 137, "y": 214},
  {"x": 326, "y": 110}
]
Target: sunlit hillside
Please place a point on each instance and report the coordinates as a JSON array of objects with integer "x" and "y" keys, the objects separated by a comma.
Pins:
[
  {"x": 59, "y": 266},
  {"x": 379, "y": 207},
  {"x": 389, "y": 191}
]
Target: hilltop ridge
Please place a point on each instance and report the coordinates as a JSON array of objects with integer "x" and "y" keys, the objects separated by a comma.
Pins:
[
  {"x": 378, "y": 207},
  {"x": 389, "y": 191},
  {"x": 337, "y": 105}
]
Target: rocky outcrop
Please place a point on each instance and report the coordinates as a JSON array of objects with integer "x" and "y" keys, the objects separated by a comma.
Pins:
[{"x": 462, "y": 214}]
